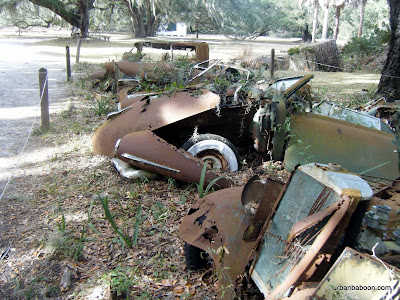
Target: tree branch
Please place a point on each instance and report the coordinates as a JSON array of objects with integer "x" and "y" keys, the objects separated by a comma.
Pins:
[{"x": 58, "y": 8}]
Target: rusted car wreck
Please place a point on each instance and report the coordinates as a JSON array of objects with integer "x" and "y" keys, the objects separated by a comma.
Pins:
[
  {"x": 219, "y": 124},
  {"x": 290, "y": 235}
]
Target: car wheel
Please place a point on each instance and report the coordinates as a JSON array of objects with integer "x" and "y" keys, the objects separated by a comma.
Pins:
[
  {"x": 214, "y": 149},
  {"x": 196, "y": 258}
]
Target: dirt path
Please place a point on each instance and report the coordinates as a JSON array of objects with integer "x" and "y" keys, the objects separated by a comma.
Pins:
[{"x": 19, "y": 95}]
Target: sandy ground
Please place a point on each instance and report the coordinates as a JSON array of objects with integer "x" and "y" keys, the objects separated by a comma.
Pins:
[{"x": 19, "y": 95}]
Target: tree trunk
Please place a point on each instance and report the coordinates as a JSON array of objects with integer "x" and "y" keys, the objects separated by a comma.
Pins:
[
  {"x": 84, "y": 17},
  {"x": 318, "y": 57},
  {"x": 315, "y": 20},
  {"x": 150, "y": 20},
  {"x": 337, "y": 21},
  {"x": 325, "y": 24},
  {"x": 137, "y": 14},
  {"x": 389, "y": 84},
  {"x": 362, "y": 13},
  {"x": 142, "y": 28}
]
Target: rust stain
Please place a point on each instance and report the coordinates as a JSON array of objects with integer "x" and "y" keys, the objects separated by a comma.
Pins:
[{"x": 208, "y": 226}]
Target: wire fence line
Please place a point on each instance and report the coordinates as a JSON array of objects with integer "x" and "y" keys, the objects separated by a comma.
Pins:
[
  {"x": 329, "y": 66},
  {"x": 26, "y": 141}
]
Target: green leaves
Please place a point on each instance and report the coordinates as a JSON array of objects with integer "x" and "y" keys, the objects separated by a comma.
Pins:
[
  {"x": 200, "y": 185},
  {"x": 110, "y": 218}
]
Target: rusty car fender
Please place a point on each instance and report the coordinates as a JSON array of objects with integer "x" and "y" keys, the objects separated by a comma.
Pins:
[
  {"x": 148, "y": 151},
  {"x": 150, "y": 115},
  {"x": 217, "y": 223}
]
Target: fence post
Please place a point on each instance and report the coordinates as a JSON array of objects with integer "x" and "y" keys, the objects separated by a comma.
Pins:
[
  {"x": 68, "y": 63},
  {"x": 272, "y": 63},
  {"x": 44, "y": 98}
]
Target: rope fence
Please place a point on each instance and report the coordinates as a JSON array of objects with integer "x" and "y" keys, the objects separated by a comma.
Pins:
[
  {"x": 329, "y": 66},
  {"x": 42, "y": 93}
]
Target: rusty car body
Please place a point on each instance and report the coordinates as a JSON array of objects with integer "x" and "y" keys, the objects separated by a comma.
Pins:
[
  {"x": 288, "y": 234},
  {"x": 219, "y": 124},
  {"x": 147, "y": 70}
]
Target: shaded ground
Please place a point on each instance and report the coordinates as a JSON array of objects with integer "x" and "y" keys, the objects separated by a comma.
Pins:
[{"x": 55, "y": 240}]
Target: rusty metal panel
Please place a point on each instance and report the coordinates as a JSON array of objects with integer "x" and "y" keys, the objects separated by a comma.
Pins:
[
  {"x": 315, "y": 201},
  {"x": 151, "y": 115},
  {"x": 359, "y": 149},
  {"x": 202, "y": 52},
  {"x": 98, "y": 75},
  {"x": 307, "y": 256},
  {"x": 259, "y": 198},
  {"x": 147, "y": 151},
  {"x": 217, "y": 223},
  {"x": 359, "y": 276}
]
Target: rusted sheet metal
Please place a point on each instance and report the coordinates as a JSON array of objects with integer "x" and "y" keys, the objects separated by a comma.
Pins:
[
  {"x": 201, "y": 48},
  {"x": 358, "y": 149},
  {"x": 143, "y": 70},
  {"x": 310, "y": 221},
  {"x": 304, "y": 232},
  {"x": 359, "y": 276},
  {"x": 98, "y": 75},
  {"x": 128, "y": 100},
  {"x": 151, "y": 115},
  {"x": 311, "y": 255},
  {"x": 147, "y": 151},
  {"x": 123, "y": 93},
  {"x": 259, "y": 198},
  {"x": 217, "y": 223}
]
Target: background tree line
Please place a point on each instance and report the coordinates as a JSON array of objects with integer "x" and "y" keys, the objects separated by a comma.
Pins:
[{"x": 233, "y": 18}]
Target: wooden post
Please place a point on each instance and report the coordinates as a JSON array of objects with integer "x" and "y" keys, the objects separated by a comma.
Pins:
[
  {"x": 78, "y": 50},
  {"x": 272, "y": 63},
  {"x": 44, "y": 98},
  {"x": 68, "y": 64}
]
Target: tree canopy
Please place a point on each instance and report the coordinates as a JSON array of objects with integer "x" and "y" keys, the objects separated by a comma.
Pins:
[{"x": 234, "y": 18}]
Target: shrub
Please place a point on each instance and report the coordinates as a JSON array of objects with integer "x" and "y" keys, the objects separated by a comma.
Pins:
[
  {"x": 367, "y": 45},
  {"x": 358, "y": 49}
]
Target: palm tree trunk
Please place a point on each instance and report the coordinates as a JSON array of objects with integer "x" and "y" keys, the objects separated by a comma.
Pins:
[
  {"x": 337, "y": 21},
  {"x": 362, "y": 13},
  {"x": 325, "y": 24},
  {"x": 315, "y": 21}
]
